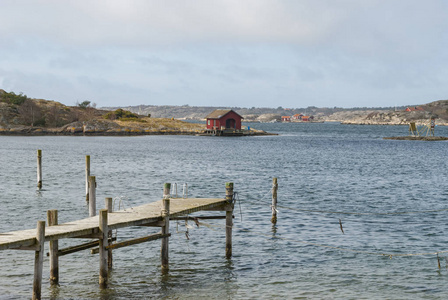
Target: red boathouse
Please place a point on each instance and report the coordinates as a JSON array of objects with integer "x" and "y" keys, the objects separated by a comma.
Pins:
[{"x": 222, "y": 119}]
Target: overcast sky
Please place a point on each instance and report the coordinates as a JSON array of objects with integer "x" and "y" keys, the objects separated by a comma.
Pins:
[{"x": 262, "y": 53}]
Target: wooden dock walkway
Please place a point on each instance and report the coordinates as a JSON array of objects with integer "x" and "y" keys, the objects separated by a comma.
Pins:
[
  {"x": 144, "y": 215},
  {"x": 99, "y": 227}
]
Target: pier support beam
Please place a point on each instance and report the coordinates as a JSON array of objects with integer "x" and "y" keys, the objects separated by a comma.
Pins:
[
  {"x": 274, "y": 201},
  {"x": 229, "y": 219},
  {"x": 109, "y": 207},
  {"x": 39, "y": 260},
  {"x": 166, "y": 226},
  {"x": 52, "y": 219},
  {"x": 104, "y": 242},
  {"x": 39, "y": 169},
  {"x": 92, "y": 196},
  {"x": 87, "y": 176}
]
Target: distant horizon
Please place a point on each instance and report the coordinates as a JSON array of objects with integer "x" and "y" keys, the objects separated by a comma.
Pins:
[
  {"x": 266, "y": 107},
  {"x": 236, "y": 107}
]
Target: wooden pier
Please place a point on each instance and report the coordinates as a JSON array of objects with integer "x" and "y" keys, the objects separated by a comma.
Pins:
[{"x": 157, "y": 214}]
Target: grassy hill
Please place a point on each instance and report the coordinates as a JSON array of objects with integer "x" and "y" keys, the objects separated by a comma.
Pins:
[{"x": 22, "y": 115}]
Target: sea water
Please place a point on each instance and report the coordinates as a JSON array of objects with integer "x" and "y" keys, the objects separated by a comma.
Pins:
[{"x": 345, "y": 197}]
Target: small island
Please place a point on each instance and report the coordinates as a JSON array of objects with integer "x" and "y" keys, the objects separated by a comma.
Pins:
[
  {"x": 20, "y": 115},
  {"x": 424, "y": 133}
]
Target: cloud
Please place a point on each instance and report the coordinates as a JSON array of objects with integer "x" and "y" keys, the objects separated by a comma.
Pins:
[
  {"x": 252, "y": 52},
  {"x": 143, "y": 22}
]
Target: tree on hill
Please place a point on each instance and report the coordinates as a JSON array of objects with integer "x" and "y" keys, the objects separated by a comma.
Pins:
[{"x": 31, "y": 114}]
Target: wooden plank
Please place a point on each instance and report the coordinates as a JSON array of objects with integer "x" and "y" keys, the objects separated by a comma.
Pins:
[
  {"x": 87, "y": 176},
  {"x": 80, "y": 247},
  {"x": 166, "y": 227},
  {"x": 92, "y": 196},
  {"x": 131, "y": 242},
  {"x": 135, "y": 216},
  {"x": 52, "y": 218},
  {"x": 39, "y": 260},
  {"x": 104, "y": 242},
  {"x": 229, "y": 220},
  {"x": 39, "y": 169},
  {"x": 274, "y": 201},
  {"x": 110, "y": 208}
]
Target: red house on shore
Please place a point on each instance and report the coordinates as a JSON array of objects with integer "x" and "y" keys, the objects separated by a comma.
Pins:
[{"x": 222, "y": 119}]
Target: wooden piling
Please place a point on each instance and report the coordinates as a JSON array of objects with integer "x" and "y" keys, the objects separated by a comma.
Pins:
[
  {"x": 109, "y": 207},
  {"x": 104, "y": 232},
  {"x": 39, "y": 169},
  {"x": 87, "y": 176},
  {"x": 92, "y": 196},
  {"x": 166, "y": 227},
  {"x": 229, "y": 219},
  {"x": 274, "y": 200},
  {"x": 52, "y": 219},
  {"x": 39, "y": 260}
]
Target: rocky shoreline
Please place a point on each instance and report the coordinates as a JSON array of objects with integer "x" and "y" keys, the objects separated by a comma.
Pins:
[
  {"x": 417, "y": 138},
  {"x": 115, "y": 128}
]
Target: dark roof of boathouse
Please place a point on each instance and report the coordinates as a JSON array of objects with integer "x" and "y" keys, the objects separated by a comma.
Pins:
[{"x": 219, "y": 113}]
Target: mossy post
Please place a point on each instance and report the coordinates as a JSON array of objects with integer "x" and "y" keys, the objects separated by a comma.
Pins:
[
  {"x": 92, "y": 196},
  {"x": 39, "y": 260},
  {"x": 52, "y": 219},
  {"x": 166, "y": 226},
  {"x": 274, "y": 200},
  {"x": 229, "y": 218},
  {"x": 87, "y": 176},
  {"x": 109, "y": 207},
  {"x": 39, "y": 169},
  {"x": 104, "y": 242}
]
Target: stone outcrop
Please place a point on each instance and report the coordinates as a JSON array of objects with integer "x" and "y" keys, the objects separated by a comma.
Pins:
[{"x": 374, "y": 117}]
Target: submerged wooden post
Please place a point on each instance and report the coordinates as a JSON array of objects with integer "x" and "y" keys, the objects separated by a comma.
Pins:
[
  {"x": 87, "y": 176},
  {"x": 52, "y": 219},
  {"x": 104, "y": 242},
  {"x": 109, "y": 207},
  {"x": 39, "y": 260},
  {"x": 229, "y": 218},
  {"x": 274, "y": 200},
  {"x": 92, "y": 196},
  {"x": 39, "y": 169},
  {"x": 166, "y": 226}
]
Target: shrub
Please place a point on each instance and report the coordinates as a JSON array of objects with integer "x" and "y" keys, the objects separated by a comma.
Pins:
[
  {"x": 12, "y": 98},
  {"x": 83, "y": 104},
  {"x": 120, "y": 114}
]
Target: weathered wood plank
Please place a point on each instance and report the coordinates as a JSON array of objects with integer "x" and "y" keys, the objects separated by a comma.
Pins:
[
  {"x": 52, "y": 218},
  {"x": 131, "y": 242},
  {"x": 135, "y": 216},
  {"x": 39, "y": 260}
]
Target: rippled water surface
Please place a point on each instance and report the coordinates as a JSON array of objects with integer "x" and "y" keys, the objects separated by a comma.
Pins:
[{"x": 328, "y": 174}]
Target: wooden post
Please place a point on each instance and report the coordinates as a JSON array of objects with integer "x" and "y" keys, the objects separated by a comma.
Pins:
[
  {"x": 52, "y": 219},
  {"x": 166, "y": 227},
  {"x": 92, "y": 196},
  {"x": 39, "y": 169},
  {"x": 39, "y": 260},
  {"x": 109, "y": 207},
  {"x": 87, "y": 176},
  {"x": 104, "y": 242},
  {"x": 274, "y": 200},
  {"x": 229, "y": 219}
]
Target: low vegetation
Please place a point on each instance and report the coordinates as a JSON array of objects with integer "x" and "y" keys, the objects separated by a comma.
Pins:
[
  {"x": 120, "y": 114},
  {"x": 12, "y": 98},
  {"x": 19, "y": 111}
]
